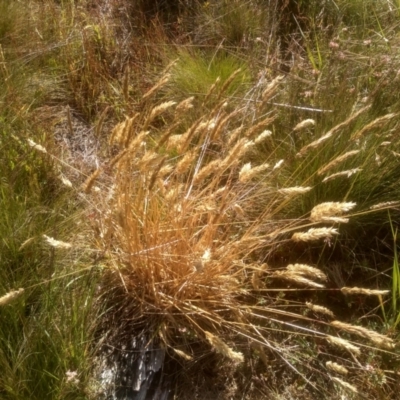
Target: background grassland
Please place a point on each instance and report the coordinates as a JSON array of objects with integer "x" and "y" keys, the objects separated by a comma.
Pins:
[{"x": 126, "y": 129}]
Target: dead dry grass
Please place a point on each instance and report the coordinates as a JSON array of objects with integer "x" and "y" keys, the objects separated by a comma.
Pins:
[{"x": 186, "y": 228}]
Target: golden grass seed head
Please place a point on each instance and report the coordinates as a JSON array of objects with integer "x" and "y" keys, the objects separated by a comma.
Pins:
[
  {"x": 234, "y": 135},
  {"x": 271, "y": 88},
  {"x": 304, "y": 269},
  {"x": 256, "y": 281},
  {"x": 122, "y": 132},
  {"x": 186, "y": 162},
  {"x": 211, "y": 90},
  {"x": 340, "y": 369},
  {"x": 58, "y": 244},
  {"x": 378, "y": 339},
  {"x": 165, "y": 170},
  {"x": 182, "y": 354},
  {"x": 297, "y": 278},
  {"x": 156, "y": 111},
  {"x": 244, "y": 172},
  {"x": 184, "y": 105},
  {"x": 116, "y": 133},
  {"x": 36, "y": 146},
  {"x": 87, "y": 186},
  {"x": 330, "y": 209},
  {"x": 386, "y": 204},
  {"x": 238, "y": 151},
  {"x": 292, "y": 191},
  {"x": 348, "y": 121},
  {"x": 377, "y": 123},
  {"x": 314, "y": 144},
  {"x": 65, "y": 181},
  {"x": 335, "y": 220},
  {"x": 116, "y": 159},
  {"x": 174, "y": 142},
  {"x": 207, "y": 170},
  {"x": 137, "y": 142},
  {"x": 315, "y": 234},
  {"x": 252, "y": 130},
  {"x": 367, "y": 292},
  {"x": 347, "y": 174},
  {"x": 156, "y": 171},
  {"x": 166, "y": 135},
  {"x": 162, "y": 81},
  {"x": 338, "y": 160},
  {"x": 148, "y": 160},
  {"x": 247, "y": 173},
  {"x": 10, "y": 296},
  {"x": 320, "y": 309},
  {"x": 228, "y": 81},
  {"x": 262, "y": 136},
  {"x": 173, "y": 193},
  {"x": 195, "y": 129},
  {"x": 221, "y": 347},
  {"x": 278, "y": 164},
  {"x": 345, "y": 384},
  {"x": 307, "y": 123},
  {"x": 344, "y": 344}
]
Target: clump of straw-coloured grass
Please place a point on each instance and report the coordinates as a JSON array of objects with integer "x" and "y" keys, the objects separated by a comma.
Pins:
[{"x": 185, "y": 221}]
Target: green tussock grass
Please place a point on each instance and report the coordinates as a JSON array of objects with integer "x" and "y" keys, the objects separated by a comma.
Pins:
[{"x": 212, "y": 184}]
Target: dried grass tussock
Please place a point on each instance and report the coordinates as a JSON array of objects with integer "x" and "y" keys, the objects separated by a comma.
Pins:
[{"x": 186, "y": 226}]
